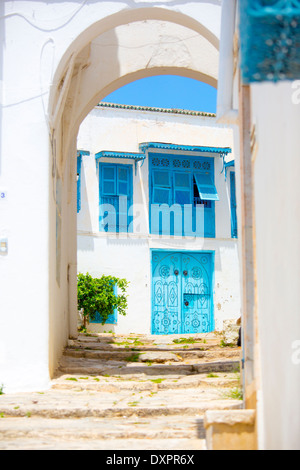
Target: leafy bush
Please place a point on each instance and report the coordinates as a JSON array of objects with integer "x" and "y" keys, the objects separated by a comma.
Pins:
[{"x": 98, "y": 295}]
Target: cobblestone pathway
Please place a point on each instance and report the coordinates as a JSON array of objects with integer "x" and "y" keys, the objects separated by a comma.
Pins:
[{"x": 126, "y": 392}]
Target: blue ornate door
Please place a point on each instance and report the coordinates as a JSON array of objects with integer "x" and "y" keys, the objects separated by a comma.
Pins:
[{"x": 181, "y": 293}]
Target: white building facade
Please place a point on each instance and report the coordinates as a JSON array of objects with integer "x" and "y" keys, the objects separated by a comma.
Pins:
[{"x": 182, "y": 268}]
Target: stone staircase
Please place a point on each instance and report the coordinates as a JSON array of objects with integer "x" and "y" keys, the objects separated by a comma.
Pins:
[{"x": 131, "y": 392}]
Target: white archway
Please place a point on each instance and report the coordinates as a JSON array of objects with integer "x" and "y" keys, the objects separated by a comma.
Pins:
[
  {"x": 50, "y": 54},
  {"x": 125, "y": 53},
  {"x": 110, "y": 54}
]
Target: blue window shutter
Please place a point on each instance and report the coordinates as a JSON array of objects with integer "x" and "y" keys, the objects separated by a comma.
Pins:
[
  {"x": 206, "y": 187},
  {"x": 108, "y": 199},
  {"x": 161, "y": 187},
  {"x": 125, "y": 197},
  {"x": 182, "y": 188},
  {"x": 160, "y": 196},
  {"x": 109, "y": 180},
  {"x": 79, "y": 163},
  {"x": 116, "y": 194},
  {"x": 234, "y": 231},
  {"x": 161, "y": 179}
]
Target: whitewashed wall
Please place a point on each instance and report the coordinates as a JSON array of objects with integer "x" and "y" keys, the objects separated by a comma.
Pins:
[
  {"x": 276, "y": 161},
  {"x": 44, "y": 47},
  {"x": 128, "y": 256}
]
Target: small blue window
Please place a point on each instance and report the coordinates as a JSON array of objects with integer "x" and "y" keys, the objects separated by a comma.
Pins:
[
  {"x": 234, "y": 230},
  {"x": 116, "y": 191}
]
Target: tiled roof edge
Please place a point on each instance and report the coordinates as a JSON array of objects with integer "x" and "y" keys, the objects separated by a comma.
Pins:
[{"x": 157, "y": 110}]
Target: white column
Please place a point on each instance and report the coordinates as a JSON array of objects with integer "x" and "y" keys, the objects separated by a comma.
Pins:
[{"x": 225, "y": 113}]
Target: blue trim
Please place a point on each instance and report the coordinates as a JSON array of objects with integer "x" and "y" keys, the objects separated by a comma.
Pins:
[
  {"x": 79, "y": 163},
  {"x": 137, "y": 157},
  {"x": 111, "y": 154},
  {"x": 183, "y": 148},
  {"x": 227, "y": 165},
  {"x": 234, "y": 230},
  {"x": 80, "y": 153}
]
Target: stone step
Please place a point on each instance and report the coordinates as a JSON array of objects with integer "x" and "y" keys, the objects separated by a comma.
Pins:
[
  {"x": 61, "y": 404},
  {"x": 105, "y": 444},
  {"x": 122, "y": 392},
  {"x": 95, "y": 428},
  {"x": 168, "y": 342},
  {"x": 89, "y": 366},
  {"x": 150, "y": 339},
  {"x": 153, "y": 356},
  {"x": 150, "y": 346},
  {"x": 115, "y": 384}
]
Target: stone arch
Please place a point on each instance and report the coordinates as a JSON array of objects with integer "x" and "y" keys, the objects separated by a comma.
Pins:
[
  {"x": 127, "y": 16},
  {"x": 117, "y": 56},
  {"x": 98, "y": 62}
]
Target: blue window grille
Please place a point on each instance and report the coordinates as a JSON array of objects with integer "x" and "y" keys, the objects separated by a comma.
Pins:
[
  {"x": 269, "y": 40},
  {"x": 116, "y": 192},
  {"x": 182, "y": 195},
  {"x": 234, "y": 230},
  {"x": 112, "y": 319}
]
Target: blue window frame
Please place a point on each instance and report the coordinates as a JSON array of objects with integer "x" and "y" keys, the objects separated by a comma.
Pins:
[
  {"x": 182, "y": 195},
  {"x": 116, "y": 191},
  {"x": 234, "y": 230},
  {"x": 79, "y": 163},
  {"x": 80, "y": 154}
]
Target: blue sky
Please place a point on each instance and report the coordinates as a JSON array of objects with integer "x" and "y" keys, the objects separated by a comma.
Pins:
[{"x": 167, "y": 91}]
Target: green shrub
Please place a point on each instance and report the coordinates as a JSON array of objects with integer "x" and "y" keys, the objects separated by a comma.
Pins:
[{"x": 98, "y": 295}]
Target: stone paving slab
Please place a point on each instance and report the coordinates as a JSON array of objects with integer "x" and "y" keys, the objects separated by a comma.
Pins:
[
  {"x": 114, "y": 384},
  {"x": 77, "y": 365},
  {"x": 156, "y": 356},
  {"x": 95, "y": 428},
  {"x": 110, "y": 445},
  {"x": 62, "y": 404}
]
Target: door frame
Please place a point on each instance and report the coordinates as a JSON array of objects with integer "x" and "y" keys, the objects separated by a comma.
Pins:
[{"x": 174, "y": 250}]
